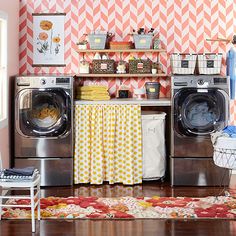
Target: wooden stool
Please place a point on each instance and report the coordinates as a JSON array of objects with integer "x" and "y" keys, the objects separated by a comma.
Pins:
[{"x": 34, "y": 188}]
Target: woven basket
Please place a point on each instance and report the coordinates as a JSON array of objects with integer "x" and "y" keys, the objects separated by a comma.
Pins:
[
  {"x": 139, "y": 66},
  {"x": 103, "y": 66},
  {"x": 120, "y": 45}
]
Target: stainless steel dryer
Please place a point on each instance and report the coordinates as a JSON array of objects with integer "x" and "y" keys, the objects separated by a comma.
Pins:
[
  {"x": 200, "y": 106},
  {"x": 44, "y": 127}
]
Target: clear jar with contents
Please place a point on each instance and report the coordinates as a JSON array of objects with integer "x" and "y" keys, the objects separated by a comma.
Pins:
[
  {"x": 84, "y": 67},
  {"x": 121, "y": 67}
]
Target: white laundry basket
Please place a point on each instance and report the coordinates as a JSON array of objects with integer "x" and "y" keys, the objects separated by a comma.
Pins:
[
  {"x": 153, "y": 139},
  {"x": 225, "y": 152}
]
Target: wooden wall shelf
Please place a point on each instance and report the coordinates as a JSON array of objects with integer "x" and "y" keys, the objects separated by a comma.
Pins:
[
  {"x": 116, "y": 50},
  {"x": 121, "y": 75}
]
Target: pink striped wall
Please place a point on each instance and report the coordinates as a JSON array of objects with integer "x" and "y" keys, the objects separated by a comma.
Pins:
[{"x": 183, "y": 26}]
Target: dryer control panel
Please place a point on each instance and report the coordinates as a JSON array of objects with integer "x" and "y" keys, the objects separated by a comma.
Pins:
[{"x": 200, "y": 81}]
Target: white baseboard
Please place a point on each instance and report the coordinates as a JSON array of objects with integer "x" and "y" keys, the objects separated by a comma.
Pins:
[{"x": 233, "y": 172}]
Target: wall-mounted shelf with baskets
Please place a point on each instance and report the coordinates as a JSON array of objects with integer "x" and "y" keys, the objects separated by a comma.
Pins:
[
  {"x": 121, "y": 75},
  {"x": 121, "y": 51}
]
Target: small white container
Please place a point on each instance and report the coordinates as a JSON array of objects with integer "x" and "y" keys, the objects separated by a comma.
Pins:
[
  {"x": 84, "y": 67},
  {"x": 139, "y": 93},
  {"x": 82, "y": 46},
  {"x": 154, "y": 71},
  {"x": 121, "y": 67}
]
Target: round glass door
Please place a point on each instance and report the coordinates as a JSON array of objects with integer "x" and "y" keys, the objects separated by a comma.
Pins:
[
  {"x": 43, "y": 112},
  {"x": 200, "y": 111}
]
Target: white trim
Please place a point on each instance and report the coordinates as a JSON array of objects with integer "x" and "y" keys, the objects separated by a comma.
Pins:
[
  {"x": 4, "y": 71},
  {"x": 3, "y": 123}
]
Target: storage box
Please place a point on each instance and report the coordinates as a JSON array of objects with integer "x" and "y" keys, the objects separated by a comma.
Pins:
[
  {"x": 153, "y": 145},
  {"x": 103, "y": 66},
  {"x": 209, "y": 63},
  {"x": 120, "y": 45},
  {"x": 97, "y": 41},
  {"x": 139, "y": 66},
  {"x": 183, "y": 63},
  {"x": 142, "y": 41}
]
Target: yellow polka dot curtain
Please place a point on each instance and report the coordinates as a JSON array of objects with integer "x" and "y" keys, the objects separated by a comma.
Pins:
[{"x": 108, "y": 144}]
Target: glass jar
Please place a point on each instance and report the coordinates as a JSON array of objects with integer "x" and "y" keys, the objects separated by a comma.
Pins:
[
  {"x": 84, "y": 67},
  {"x": 156, "y": 43},
  {"x": 121, "y": 67}
]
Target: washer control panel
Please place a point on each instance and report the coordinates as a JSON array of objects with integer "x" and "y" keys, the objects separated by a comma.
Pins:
[
  {"x": 43, "y": 82},
  {"x": 200, "y": 82}
]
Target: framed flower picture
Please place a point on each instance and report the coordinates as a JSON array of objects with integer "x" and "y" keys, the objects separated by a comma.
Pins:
[{"x": 48, "y": 39}]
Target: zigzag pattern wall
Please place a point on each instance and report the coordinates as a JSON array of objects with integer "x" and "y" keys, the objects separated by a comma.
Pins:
[{"x": 183, "y": 26}]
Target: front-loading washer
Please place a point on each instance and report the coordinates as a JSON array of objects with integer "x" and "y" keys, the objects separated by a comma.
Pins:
[
  {"x": 200, "y": 106},
  {"x": 43, "y": 134}
]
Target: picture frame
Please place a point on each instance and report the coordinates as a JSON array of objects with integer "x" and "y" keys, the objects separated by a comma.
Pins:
[{"x": 48, "y": 39}]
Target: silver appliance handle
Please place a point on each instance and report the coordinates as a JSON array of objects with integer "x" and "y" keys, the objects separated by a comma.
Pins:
[{"x": 46, "y": 159}]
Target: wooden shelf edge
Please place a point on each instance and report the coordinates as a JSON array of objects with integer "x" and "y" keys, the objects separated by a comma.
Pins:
[
  {"x": 120, "y": 50},
  {"x": 142, "y": 102},
  {"x": 121, "y": 75}
]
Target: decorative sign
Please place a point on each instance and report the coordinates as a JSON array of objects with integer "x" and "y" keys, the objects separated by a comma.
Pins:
[{"x": 48, "y": 39}]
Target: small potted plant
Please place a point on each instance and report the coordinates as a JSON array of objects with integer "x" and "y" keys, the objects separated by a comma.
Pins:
[{"x": 82, "y": 44}]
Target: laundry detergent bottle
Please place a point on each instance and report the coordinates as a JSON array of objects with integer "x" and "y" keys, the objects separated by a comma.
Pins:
[{"x": 231, "y": 68}]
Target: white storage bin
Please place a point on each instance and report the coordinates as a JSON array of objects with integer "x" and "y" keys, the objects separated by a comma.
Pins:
[
  {"x": 209, "y": 63},
  {"x": 153, "y": 140},
  {"x": 183, "y": 63},
  {"x": 225, "y": 152}
]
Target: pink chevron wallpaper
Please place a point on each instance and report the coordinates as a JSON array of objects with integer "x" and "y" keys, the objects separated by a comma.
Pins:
[{"x": 183, "y": 26}]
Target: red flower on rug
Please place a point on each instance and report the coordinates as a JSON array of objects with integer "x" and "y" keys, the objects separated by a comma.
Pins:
[{"x": 170, "y": 201}]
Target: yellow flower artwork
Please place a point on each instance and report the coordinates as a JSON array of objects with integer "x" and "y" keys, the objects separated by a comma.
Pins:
[{"x": 48, "y": 38}]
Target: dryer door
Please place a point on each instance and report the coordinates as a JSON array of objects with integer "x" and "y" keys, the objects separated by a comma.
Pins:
[
  {"x": 43, "y": 113},
  {"x": 199, "y": 112}
]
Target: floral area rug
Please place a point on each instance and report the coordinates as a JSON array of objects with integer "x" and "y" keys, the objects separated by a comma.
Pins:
[{"x": 127, "y": 208}]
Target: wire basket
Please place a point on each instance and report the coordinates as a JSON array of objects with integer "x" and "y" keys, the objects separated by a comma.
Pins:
[
  {"x": 183, "y": 63},
  {"x": 209, "y": 63},
  {"x": 225, "y": 158},
  {"x": 224, "y": 151}
]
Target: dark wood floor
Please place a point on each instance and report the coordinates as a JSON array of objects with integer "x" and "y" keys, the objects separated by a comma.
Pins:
[{"x": 124, "y": 227}]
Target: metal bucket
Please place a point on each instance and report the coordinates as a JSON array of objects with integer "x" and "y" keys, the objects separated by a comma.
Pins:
[{"x": 152, "y": 90}]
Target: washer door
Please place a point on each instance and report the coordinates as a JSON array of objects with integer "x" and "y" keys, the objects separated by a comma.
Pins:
[
  {"x": 43, "y": 112},
  {"x": 200, "y": 111}
]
